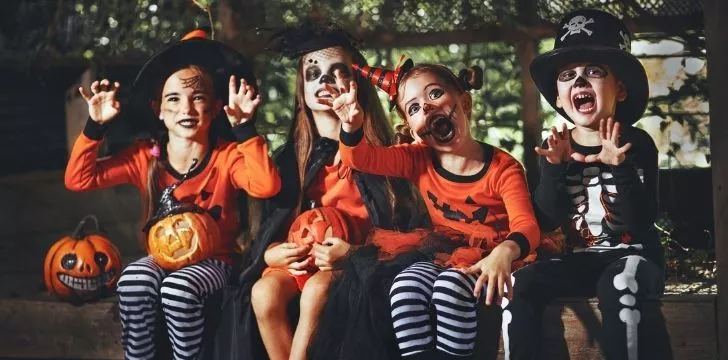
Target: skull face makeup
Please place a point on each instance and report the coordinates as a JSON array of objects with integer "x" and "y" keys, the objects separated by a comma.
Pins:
[
  {"x": 588, "y": 92},
  {"x": 319, "y": 68}
]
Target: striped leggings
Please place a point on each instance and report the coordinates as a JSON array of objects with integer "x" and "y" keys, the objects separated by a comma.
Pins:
[
  {"x": 451, "y": 293},
  {"x": 183, "y": 293}
]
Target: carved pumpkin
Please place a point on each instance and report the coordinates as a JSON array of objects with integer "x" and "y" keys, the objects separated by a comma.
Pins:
[
  {"x": 182, "y": 239},
  {"x": 315, "y": 225},
  {"x": 82, "y": 267},
  {"x": 180, "y": 234}
]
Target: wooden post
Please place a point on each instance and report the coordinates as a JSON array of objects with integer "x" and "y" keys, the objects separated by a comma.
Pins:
[
  {"x": 716, "y": 32},
  {"x": 76, "y": 107},
  {"x": 530, "y": 97}
]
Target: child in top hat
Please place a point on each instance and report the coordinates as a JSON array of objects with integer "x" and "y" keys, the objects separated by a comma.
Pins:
[
  {"x": 182, "y": 89},
  {"x": 599, "y": 185},
  {"x": 473, "y": 191}
]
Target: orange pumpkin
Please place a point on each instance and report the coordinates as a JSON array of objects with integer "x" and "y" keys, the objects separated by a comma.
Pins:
[
  {"x": 182, "y": 239},
  {"x": 82, "y": 267},
  {"x": 315, "y": 225}
]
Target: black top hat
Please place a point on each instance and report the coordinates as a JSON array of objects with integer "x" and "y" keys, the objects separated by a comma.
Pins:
[
  {"x": 218, "y": 59},
  {"x": 310, "y": 36},
  {"x": 590, "y": 35}
]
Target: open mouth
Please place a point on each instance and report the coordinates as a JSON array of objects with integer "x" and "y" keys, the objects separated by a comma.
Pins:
[
  {"x": 323, "y": 93},
  {"x": 87, "y": 283},
  {"x": 188, "y": 123},
  {"x": 441, "y": 127},
  {"x": 584, "y": 102}
]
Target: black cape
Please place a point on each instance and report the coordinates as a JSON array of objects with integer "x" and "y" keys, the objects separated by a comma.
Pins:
[{"x": 236, "y": 333}]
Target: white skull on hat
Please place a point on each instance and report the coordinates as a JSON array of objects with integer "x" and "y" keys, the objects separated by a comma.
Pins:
[{"x": 576, "y": 25}]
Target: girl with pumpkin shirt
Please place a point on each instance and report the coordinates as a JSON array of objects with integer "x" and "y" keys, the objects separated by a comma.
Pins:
[
  {"x": 470, "y": 188},
  {"x": 313, "y": 176},
  {"x": 186, "y": 99}
]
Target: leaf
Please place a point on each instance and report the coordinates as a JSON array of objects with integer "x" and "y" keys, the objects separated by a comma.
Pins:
[{"x": 203, "y": 4}]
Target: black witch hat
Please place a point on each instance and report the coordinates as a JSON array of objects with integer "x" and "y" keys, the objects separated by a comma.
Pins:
[{"x": 218, "y": 59}]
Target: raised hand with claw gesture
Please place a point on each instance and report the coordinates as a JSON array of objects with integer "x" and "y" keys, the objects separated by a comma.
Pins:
[
  {"x": 242, "y": 102},
  {"x": 611, "y": 154},
  {"x": 559, "y": 146},
  {"x": 344, "y": 103},
  {"x": 102, "y": 103}
]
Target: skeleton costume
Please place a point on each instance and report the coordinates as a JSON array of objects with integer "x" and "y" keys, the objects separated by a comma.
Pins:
[
  {"x": 150, "y": 297},
  {"x": 606, "y": 213}
]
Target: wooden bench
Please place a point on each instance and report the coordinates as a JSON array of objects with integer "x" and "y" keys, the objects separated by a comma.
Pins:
[{"x": 44, "y": 328}]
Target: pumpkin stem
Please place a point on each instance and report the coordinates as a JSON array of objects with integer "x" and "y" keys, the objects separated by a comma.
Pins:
[{"x": 77, "y": 232}]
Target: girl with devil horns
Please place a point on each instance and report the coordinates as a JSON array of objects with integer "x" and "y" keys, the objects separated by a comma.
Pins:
[
  {"x": 180, "y": 92},
  {"x": 474, "y": 192},
  {"x": 313, "y": 176}
]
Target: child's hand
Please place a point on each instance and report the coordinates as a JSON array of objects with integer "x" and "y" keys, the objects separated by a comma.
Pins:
[
  {"x": 242, "y": 102},
  {"x": 345, "y": 103},
  {"x": 495, "y": 270},
  {"x": 559, "y": 149},
  {"x": 285, "y": 254},
  {"x": 330, "y": 252},
  {"x": 611, "y": 153},
  {"x": 102, "y": 103}
]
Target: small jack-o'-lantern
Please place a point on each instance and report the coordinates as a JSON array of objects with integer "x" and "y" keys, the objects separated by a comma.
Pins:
[
  {"x": 82, "y": 267},
  {"x": 315, "y": 225},
  {"x": 180, "y": 234}
]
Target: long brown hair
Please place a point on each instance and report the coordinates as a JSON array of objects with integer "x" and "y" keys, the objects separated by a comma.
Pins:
[{"x": 377, "y": 129}]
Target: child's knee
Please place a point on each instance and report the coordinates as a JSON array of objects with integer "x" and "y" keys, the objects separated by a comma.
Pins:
[
  {"x": 631, "y": 277},
  {"x": 315, "y": 290},
  {"x": 266, "y": 296},
  {"x": 129, "y": 282}
]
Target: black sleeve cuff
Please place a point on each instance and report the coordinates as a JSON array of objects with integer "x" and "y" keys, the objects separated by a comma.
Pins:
[
  {"x": 94, "y": 130},
  {"x": 245, "y": 131},
  {"x": 522, "y": 242},
  {"x": 552, "y": 170},
  {"x": 625, "y": 170},
  {"x": 351, "y": 139}
]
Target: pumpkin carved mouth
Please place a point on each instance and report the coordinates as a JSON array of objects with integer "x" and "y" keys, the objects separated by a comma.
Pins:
[{"x": 87, "y": 283}]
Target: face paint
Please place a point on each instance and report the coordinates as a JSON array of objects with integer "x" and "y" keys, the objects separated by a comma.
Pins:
[
  {"x": 188, "y": 104},
  {"x": 588, "y": 92},
  {"x": 319, "y": 68},
  {"x": 440, "y": 127},
  {"x": 434, "y": 112}
]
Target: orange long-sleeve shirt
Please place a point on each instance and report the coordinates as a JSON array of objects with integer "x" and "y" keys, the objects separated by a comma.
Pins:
[
  {"x": 212, "y": 185},
  {"x": 490, "y": 207},
  {"x": 334, "y": 186}
]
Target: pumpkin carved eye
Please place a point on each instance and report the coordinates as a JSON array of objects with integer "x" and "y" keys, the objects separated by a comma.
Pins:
[
  {"x": 101, "y": 259},
  {"x": 68, "y": 261}
]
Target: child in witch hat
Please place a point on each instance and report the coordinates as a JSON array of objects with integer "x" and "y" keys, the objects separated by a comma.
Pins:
[
  {"x": 599, "y": 184},
  {"x": 181, "y": 90},
  {"x": 473, "y": 191}
]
